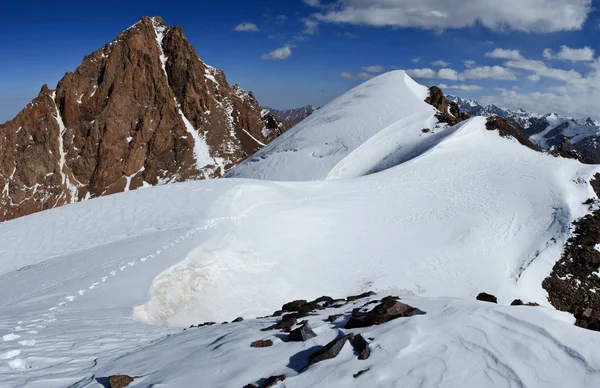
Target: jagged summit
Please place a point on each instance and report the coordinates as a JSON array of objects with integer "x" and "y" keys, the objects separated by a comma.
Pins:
[{"x": 142, "y": 110}]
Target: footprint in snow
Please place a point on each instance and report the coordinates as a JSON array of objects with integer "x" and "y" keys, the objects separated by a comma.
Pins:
[
  {"x": 70, "y": 298},
  {"x": 104, "y": 278},
  {"x": 131, "y": 263},
  {"x": 93, "y": 286},
  {"x": 10, "y": 354},
  {"x": 18, "y": 364},
  {"x": 10, "y": 337},
  {"x": 28, "y": 343},
  {"x": 81, "y": 292}
]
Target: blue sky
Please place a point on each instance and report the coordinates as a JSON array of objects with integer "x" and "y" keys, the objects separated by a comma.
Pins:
[{"x": 541, "y": 55}]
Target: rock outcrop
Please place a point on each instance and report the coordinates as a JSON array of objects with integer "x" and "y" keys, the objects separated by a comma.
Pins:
[
  {"x": 289, "y": 118},
  {"x": 574, "y": 283},
  {"x": 142, "y": 110},
  {"x": 449, "y": 112},
  {"x": 506, "y": 129}
]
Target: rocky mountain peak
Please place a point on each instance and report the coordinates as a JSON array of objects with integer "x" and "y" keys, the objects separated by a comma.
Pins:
[{"x": 142, "y": 110}]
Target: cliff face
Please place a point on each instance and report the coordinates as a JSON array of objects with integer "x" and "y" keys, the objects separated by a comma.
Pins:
[{"x": 142, "y": 110}]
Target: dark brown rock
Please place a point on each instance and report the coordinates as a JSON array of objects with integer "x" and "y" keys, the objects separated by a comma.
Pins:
[
  {"x": 565, "y": 150},
  {"x": 487, "y": 298},
  {"x": 331, "y": 350},
  {"x": 333, "y": 318},
  {"x": 361, "y": 372},
  {"x": 238, "y": 319},
  {"x": 358, "y": 312},
  {"x": 284, "y": 324},
  {"x": 519, "y": 302},
  {"x": 389, "y": 309},
  {"x": 449, "y": 112},
  {"x": 116, "y": 124},
  {"x": 302, "y": 333},
  {"x": 572, "y": 285},
  {"x": 273, "y": 380},
  {"x": 355, "y": 323},
  {"x": 289, "y": 118},
  {"x": 250, "y": 386},
  {"x": 506, "y": 129},
  {"x": 120, "y": 381},
  {"x": 361, "y": 346},
  {"x": 360, "y": 296},
  {"x": 322, "y": 301},
  {"x": 261, "y": 344},
  {"x": 587, "y": 318},
  {"x": 294, "y": 306}
]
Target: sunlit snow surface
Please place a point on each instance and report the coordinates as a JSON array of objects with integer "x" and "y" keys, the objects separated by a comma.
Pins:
[{"x": 449, "y": 215}]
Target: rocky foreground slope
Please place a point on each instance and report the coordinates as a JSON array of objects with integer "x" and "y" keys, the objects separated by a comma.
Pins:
[{"x": 141, "y": 111}]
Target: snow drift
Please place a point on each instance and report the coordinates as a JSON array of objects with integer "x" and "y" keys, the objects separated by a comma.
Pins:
[{"x": 446, "y": 214}]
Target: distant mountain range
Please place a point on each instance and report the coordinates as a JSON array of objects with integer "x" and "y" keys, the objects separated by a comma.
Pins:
[
  {"x": 548, "y": 130},
  {"x": 289, "y": 118}
]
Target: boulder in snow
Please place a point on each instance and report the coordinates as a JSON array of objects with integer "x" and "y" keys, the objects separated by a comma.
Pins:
[
  {"x": 484, "y": 297},
  {"x": 302, "y": 333}
]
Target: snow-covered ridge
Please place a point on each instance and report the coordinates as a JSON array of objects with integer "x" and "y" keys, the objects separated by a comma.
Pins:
[
  {"x": 546, "y": 130},
  {"x": 310, "y": 150},
  {"x": 435, "y": 217}
]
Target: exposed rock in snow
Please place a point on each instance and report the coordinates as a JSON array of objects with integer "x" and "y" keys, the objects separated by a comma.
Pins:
[
  {"x": 111, "y": 286},
  {"x": 547, "y": 131},
  {"x": 291, "y": 117}
]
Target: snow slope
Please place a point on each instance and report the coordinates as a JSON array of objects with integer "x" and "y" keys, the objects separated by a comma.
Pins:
[
  {"x": 311, "y": 149},
  {"x": 447, "y": 215}
]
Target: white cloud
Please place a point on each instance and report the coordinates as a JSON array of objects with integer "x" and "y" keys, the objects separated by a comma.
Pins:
[
  {"x": 489, "y": 72},
  {"x": 566, "y": 53},
  {"x": 359, "y": 76},
  {"x": 481, "y": 72},
  {"x": 448, "y": 74},
  {"x": 504, "y": 54},
  {"x": 541, "y": 69},
  {"x": 416, "y": 60},
  {"x": 422, "y": 73},
  {"x": 313, "y": 3},
  {"x": 278, "y": 54},
  {"x": 440, "y": 63},
  {"x": 246, "y": 27},
  {"x": 568, "y": 92},
  {"x": 310, "y": 26},
  {"x": 464, "y": 88},
  {"x": 374, "y": 69},
  {"x": 280, "y": 19},
  {"x": 469, "y": 63},
  {"x": 540, "y": 16}
]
